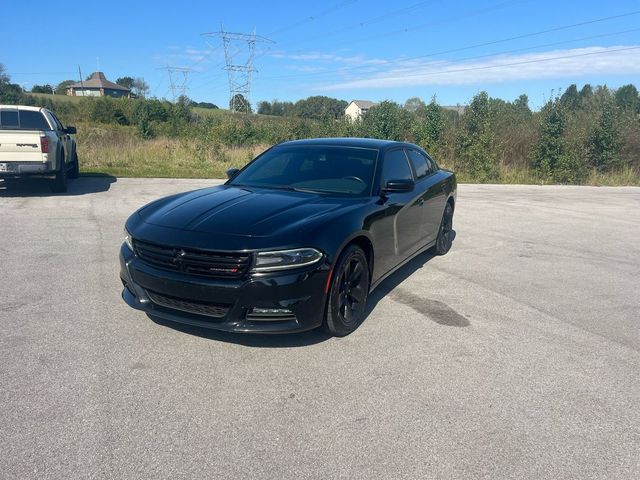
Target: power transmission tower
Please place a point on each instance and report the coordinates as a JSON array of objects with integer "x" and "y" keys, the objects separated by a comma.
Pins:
[
  {"x": 178, "y": 78},
  {"x": 239, "y": 50}
]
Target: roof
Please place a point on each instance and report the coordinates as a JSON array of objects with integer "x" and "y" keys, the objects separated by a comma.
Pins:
[
  {"x": 344, "y": 142},
  {"x": 21, "y": 107},
  {"x": 363, "y": 103},
  {"x": 98, "y": 80}
]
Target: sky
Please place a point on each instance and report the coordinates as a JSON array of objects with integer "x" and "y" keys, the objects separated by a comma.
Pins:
[{"x": 350, "y": 49}]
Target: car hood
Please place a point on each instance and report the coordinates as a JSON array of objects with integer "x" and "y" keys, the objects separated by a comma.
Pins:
[{"x": 252, "y": 212}]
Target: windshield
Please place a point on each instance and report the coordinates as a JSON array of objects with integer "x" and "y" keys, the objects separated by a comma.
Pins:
[{"x": 320, "y": 168}]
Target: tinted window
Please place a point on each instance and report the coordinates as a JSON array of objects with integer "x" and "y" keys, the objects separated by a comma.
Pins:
[
  {"x": 421, "y": 164},
  {"x": 33, "y": 120},
  {"x": 342, "y": 170},
  {"x": 395, "y": 167},
  {"x": 9, "y": 118},
  {"x": 56, "y": 121}
]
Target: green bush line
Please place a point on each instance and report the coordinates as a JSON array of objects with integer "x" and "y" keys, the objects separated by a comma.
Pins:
[{"x": 587, "y": 136}]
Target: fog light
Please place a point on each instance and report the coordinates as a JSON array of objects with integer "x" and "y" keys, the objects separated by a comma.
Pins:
[{"x": 271, "y": 311}]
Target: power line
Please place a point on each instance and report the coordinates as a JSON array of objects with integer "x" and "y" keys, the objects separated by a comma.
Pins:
[
  {"x": 451, "y": 19},
  {"x": 311, "y": 18},
  {"x": 469, "y": 47},
  {"x": 370, "y": 21}
]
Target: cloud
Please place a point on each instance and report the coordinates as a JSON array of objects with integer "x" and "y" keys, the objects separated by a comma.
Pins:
[
  {"x": 328, "y": 58},
  {"x": 616, "y": 60}
]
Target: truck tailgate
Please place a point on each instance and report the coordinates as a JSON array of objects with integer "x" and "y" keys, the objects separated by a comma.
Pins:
[{"x": 20, "y": 146}]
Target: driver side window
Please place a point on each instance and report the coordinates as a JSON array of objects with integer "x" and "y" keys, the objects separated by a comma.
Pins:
[{"x": 395, "y": 167}]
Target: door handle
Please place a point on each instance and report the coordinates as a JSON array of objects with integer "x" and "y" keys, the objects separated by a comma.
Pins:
[{"x": 421, "y": 202}]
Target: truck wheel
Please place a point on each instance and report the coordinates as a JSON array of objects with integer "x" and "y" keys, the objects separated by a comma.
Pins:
[
  {"x": 59, "y": 184},
  {"x": 75, "y": 167}
]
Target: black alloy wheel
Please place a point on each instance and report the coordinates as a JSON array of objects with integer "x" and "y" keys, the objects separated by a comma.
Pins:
[
  {"x": 445, "y": 233},
  {"x": 347, "y": 300}
]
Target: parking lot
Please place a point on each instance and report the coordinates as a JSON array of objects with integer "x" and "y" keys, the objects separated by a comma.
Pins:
[{"x": 514, "y": 356}]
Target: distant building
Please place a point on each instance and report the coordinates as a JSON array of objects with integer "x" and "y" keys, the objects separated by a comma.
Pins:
[
  {"x": 97, "y": 86},
  {"x": 357, "y": 108}
]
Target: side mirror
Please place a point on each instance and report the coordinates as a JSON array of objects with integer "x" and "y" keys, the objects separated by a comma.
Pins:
[
  {"x": 232, "y": 172},
  {"x": 70, "y": 130},
  {"x": 399, "y": 186}
]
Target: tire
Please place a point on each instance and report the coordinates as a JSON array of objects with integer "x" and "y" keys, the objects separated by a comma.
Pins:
[
  {"x": 59, "y": 184},
  {"x": 445, "y": 232},
  {"x": 347, "y": 300},
  {"x": 75, "y": 167}
]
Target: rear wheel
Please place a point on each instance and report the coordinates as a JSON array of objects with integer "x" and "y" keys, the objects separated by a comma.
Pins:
[
  {"x": 445, "y": 233},
  {"x": 348, "y": 294},
  {"x": 59, "y": 184},
  {"x": 75, "y": 167}
]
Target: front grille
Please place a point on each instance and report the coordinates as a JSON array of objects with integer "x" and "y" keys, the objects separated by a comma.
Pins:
[
  {"x": 195, "y": 262},
  {"x": 216, "y": 310}
]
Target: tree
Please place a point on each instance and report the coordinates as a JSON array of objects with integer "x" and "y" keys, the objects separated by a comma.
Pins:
[
  {"x": 264, "y": 108},
  {"x": 428, "y": 130},
  {"x": 320, "y": 107},
  {"x": 627, "y": 98},
  {"x": 604, "y": 141},
  {"x": 140, "y": 87},
  {"x": 476, "y": 142},
  {"x": 42, "y": 89},
  {"x": 61, "y": 88},
  {"x": 570, "y": 98},
  {"x": 4, "y": 76},
  {"x": 414, "y": 105},
  {"x": 126, "y": 82},
  {"x": 9, "y": 92},
  {"x": 239, "y": 104},
  {"x": 387, "y": 120}
]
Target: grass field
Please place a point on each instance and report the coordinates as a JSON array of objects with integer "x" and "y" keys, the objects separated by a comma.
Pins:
[{"x": 118, "y": 151}]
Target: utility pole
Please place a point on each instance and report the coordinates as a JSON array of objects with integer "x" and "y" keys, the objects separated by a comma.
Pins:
[
  {"x": 81, "y": 80},
  {"x": 178, "y": 78},
  {"x": 239, "y": 50}
]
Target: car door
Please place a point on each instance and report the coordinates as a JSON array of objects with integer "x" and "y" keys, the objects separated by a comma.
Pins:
[
  {"x": 432, "y": 184},
  {"x": 402, "y": 230}
]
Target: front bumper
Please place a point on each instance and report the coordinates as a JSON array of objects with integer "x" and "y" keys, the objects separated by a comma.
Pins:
[
  {"x": 26, "y": 169},
  {"x": 227, "y": 304}
]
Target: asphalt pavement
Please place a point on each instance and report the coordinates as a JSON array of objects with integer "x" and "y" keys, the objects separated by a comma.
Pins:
[{"x": 514, "y": 356}]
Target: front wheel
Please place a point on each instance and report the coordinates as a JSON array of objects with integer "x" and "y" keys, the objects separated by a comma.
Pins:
[
  {"x": 445, "y": 233},
  {"x": 347, "y": 302},
  {"x": 75, "y": 167}
]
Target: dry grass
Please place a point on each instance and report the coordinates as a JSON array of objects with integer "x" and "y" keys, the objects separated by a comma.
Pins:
[
  {"x": 118, "y": 151},
  {"x": 115, "y": 151}
]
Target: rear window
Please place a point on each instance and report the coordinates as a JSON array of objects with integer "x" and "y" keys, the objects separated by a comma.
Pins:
[
  {"x": 23, "y": 120},
  {"x": 9, "y": 119}
]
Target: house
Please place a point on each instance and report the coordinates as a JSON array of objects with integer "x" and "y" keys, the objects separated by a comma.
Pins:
[
  {"x": 97, "y": 86},
  {"x": 357, "y": 108}
]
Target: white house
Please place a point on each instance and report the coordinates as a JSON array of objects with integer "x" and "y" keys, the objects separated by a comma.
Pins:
[{"x": 357, "y": 108}]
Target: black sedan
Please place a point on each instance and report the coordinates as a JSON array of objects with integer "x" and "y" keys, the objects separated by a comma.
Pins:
[{"x": 295, "y": 240}]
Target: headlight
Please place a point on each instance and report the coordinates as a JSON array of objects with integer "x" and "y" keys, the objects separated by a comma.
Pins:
[
  {"x": 283, "y": 259},
  {"x": 127, "y": 239}
]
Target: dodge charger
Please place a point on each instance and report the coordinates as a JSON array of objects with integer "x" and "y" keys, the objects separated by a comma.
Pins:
[{"x": 295, "y": 240}]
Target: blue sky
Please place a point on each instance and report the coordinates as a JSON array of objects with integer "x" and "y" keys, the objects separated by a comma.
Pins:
[{"x": 350, "y": 49}]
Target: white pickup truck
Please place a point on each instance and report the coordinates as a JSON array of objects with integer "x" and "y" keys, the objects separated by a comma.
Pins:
[{"x": 33, "y": 143}]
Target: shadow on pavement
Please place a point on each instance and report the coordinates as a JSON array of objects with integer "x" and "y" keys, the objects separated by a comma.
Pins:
[
  {"x": 305, "y": 338},
  {"x": 38, "y": 187}
]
